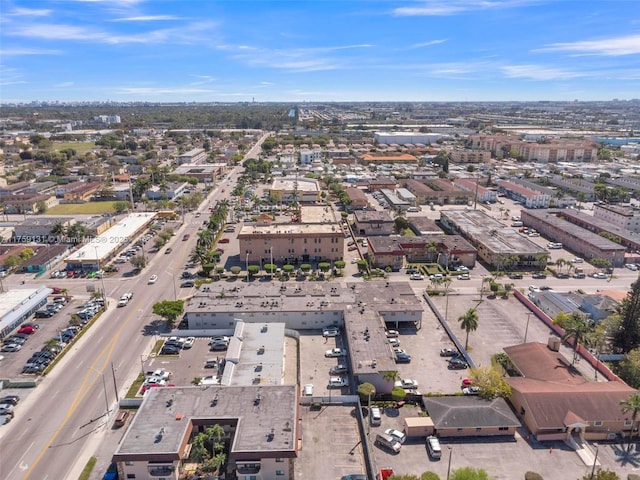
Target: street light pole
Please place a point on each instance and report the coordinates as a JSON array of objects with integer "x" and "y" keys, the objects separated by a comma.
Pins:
[
  {"x": 115, "y": 385},
  {"x": 526, "y": 330},
  {"x": 449, "y": 466},
  {"x": 104, "y": 387},
  {"x": 246, "y": 262},
  {"x": 104, "y": 292},
  {"x": 595, "y": 461}
]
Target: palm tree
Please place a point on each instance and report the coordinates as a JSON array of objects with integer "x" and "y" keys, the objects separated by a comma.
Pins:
[
  {"x": 631, "y": 404},
  {"x": 58, "y": 230},
  {"x": 577, "y": 329},
  {"x": 390, "y": 376},
  {"x": 469, "y": 323}
]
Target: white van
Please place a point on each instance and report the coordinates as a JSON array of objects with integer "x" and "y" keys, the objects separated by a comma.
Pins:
[
  {"x": 433, "y": 446},
  {"x": 375, "y": 416}
]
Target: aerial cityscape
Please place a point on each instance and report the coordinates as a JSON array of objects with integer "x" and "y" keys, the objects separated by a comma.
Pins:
[{"x": 333, "y": 241}]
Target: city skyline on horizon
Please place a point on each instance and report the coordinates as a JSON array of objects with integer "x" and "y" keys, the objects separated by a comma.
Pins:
[{"x": 367, "y": 51}]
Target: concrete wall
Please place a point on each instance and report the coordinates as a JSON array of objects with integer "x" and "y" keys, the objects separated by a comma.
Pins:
[{"x": 198, "y": 320}]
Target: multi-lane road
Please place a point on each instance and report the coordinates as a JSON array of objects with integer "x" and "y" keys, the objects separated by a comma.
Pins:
[{"x": 62, "y": 422}]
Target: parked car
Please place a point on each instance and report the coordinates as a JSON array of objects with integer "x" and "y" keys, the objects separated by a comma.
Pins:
[
  {"x": 170, "y": 350},
  {"x": 338, "y": 369},
  {"x": 330, "y": 331},
  {"x": 28, "y": 329},
  {"x": 45, "y": 313},
  {"x": 338, "y": 382},
  {"x": 188, "y": 342},
  {"x": 335, "y": 352},
  {"x": 539, "y": 275},
  {"x": 10, "y": 400},
  {"x": 600, "y": 275},
  {"x": 403, "y": 358},
  {"x": 153, "y": 279},
  {"x": 223, "y": 240},
  {"x": 579, "y": 275},
  {"x": 308, "y": 390},
  {"x": 187, "y": 284},
  {"x": 471, "y": 390},
  {"x": 515, "y": 276},
  {"x": 449, "y": 352},
  {"x": 416, "y": 276},
  {"x": 457, "y": 365},
  {"x": 406, "y": 383},
  {"x": 392, "y": 333},
  {"x": 11, "y": 347},
  {"x": 398, "y": 435}
]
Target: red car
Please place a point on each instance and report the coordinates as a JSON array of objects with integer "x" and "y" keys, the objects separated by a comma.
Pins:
[
  {"x": 223, "y": 240},
  {"x": 28, "y": 329},
  {"x": 352, "y": 247},
  {"x": 466, "y": 382},
  {"x": 221, "y": 250},
  {"x": 57, "y": 289}
]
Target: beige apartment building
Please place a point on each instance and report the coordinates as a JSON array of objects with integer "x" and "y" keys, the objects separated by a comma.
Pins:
[
  {"x": 318, "y": 237},
  {"x": 624, "y": 217}
]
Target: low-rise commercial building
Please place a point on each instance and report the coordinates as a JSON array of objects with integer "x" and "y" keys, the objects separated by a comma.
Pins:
[
  {"x": 357, "y": 198},
  {"x": 106, "y": 246},
  {"x": 194, "y": 156},
  {"x": 500, "y": 247},
  {"x": 260, "y": 425},
  {"x": 39, "y": 229},
  {"x": 372, "y": 222},
  {"x": 295, "y": 189},
  {"x": 555, "y": 226},
  {"x": 528, "y": 197},
  {"x": 18, "y": 304},
  {"x": 627, "y": 218},
  {"x": 396, "y": 252},
  {"x": 481, "y": 193}
]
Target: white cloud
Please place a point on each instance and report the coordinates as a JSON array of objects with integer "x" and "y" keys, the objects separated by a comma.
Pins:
[
  {"x": 184, "y": 34},
  {"x": 538, "y": 72},
  {"x": 614, "y": 47},
  {"x": 434, "y": 8},
  {"x": 21, "y": 51},
  {"x": 428, "y": 44},
  {"x": 155, "y": 91},
  {"x": 29, "y": 12},
  {"x": 293, "y": 59},
  {"x": 65, "y": 84},
  {"x": 147, "y": 18}
]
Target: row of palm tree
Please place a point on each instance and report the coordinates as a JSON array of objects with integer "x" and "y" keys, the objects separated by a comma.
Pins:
[{"x": 204, "y": 252}]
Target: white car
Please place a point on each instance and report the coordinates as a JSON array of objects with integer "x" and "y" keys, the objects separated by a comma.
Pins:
[
  {"x": 335, "y": 352},
  {"x": 464, "y": 276},
  {"x": 436, "y": 276},
  {"x": 330, "y": 331},
  {"x": 152, "y": 279},
  {"x": 308, "y": 390},
  {"x": 600, "y": 275},
  {"x": 577, "y": 260},
  {"x": 406, "y": 383},
  {"x": 416, "y": 276},
  {"x": 161, "y": 373},
  {"x": 631, "y": 267},
  {"x": 338, "y": 382},
  {"x": 397, "y": 350},
  {"x": 392, "y": 333},
  {"x": 394, "y": 342},
  {"x": 397, "y": 434},
  {"x": 188, "y": 342}
]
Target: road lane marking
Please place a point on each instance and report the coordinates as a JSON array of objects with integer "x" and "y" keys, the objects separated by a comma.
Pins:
[{"x": 83, "y": 391}]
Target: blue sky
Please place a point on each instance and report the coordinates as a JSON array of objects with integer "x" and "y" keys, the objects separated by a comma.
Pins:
[{"x": 314, "y": 51}]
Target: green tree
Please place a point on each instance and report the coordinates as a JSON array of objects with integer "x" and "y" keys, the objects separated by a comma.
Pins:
[
  {"x": 26, "y": 253},
  {"x": 170, "y": 310},
  {"x": 469, "y": 473},
  {"x": 469, "y": 323},
  {"x": 491, "y": 381},
  {"x": 138, "y": 262},
  {"x": 576, "y": 328},
  {"x": 602, "y": 475},
  {"x": 629, "y": 368},
  {"x": 121, "y": 206},
  {"x": 366, "y": 390},
  {"x": 627, "y": 337},
  {"x": 12, "y": 261},
  {"x": 253, "y": 270},
  {"x": 400, "y": 224},
  {"x": 631, "y": 404}
]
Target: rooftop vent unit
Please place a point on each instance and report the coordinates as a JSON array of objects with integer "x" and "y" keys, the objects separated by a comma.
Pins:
[
  {"x": 264, "y": 328},
  {"x": 261, "y": 350}
]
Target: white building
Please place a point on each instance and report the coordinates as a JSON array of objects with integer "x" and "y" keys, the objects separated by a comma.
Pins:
[
  {"x": 308, "y": 156},
  {"x": 196, "y": 155},
  {"x": 404, "y": 138},
  {"x": 624, "y": 217}
]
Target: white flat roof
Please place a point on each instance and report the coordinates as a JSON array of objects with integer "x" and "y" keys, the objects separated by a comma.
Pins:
[{"x": 104, "y": 244}]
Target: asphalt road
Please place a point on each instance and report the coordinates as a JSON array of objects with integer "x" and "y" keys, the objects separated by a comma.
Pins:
[{"x": 62, "y": 422}]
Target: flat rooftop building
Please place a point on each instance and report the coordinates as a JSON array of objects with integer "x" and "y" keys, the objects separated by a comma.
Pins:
[
  {"x": 494, "y": 242},
  {"x": 259, "y": 422}
]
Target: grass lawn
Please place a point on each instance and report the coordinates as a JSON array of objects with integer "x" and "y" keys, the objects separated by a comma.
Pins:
[
  {"x": 89, "y": 208},
  {"x": 80, "y": 147}
]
